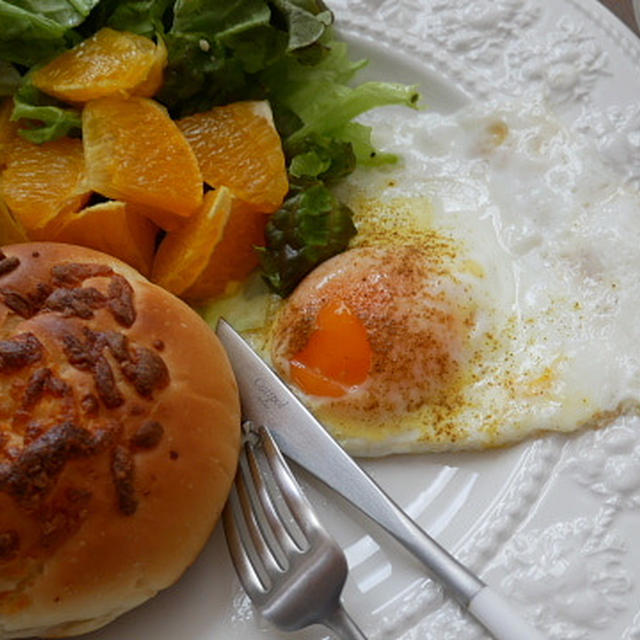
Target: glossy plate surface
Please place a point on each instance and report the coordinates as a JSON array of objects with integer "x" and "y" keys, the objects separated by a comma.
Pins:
[{"x": 552, "y": 523}]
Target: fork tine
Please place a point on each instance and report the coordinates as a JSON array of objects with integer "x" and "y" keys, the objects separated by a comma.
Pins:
[
  {"x": 278, "y": 529},
  {"x": 297, "y": 502},
  {"x": 266, "y": 548},
  {"x": 247, "y": 574},
  {"x": 253, "y": 552}
]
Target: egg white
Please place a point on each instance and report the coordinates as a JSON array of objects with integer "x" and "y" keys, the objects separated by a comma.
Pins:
[{"x": 546, "y": 251}]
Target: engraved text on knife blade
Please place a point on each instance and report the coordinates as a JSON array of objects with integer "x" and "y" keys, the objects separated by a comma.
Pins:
[{"x": 267, "y": 398}]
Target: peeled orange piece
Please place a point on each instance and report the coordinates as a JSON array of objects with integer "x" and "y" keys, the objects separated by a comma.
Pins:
[
  {"x": 237, "y": 146},
  {"x": 109, "y": 62},
  {"x": 163, "y": 219},
  {"x": 234, "y": 257},
  {"x": 183, "y": 254},
  {"x": 152, "y": 83},
  {"x": 134, "y": 152},
  {"x": 115, "y": 228},
  {"x": 11, "y": 231},
  {"x": 41, "y": 181}
]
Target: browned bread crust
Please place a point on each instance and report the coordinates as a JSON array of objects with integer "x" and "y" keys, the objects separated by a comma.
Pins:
[{"x": 119, "y": 437}]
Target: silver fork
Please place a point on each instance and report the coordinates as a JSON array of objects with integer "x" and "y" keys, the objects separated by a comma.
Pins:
[{"x": 288, "y": 564}]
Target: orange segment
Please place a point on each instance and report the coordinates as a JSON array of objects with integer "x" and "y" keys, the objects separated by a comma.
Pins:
[
  {"x": 183, "y": 254},
  {"x": 234, "y": 257},
  {"x": 163, "y": 219},
  {"x": 115, "y": 228},
  {"x": 43, "y": 180},
  {"x": 151, "y": 85},
  {"x": 337, "y": 355},
  {"x": 11, "y": 231},
  {"x": 134, "y": 152},
  {"x": 109, "y": 62},
  {"x": 237, "y": 146}
]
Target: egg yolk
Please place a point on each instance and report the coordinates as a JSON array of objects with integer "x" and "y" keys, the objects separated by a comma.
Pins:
[{"x": 337, "y": 355}]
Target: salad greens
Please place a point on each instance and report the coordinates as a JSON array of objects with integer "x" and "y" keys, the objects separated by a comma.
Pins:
[
  {"x": 36, "y": 30},
  {"x": 221, "y": 51},
  {"x": 311, "y": 226},
  {"x": 33, "y": 105},
  {"x": 9, "y": 79}
]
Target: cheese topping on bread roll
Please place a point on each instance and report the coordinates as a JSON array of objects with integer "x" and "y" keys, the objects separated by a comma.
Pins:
[{"x": 119, "y": 437}]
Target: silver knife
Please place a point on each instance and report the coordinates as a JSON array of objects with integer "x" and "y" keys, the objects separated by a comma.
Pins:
[{"x": 266, "y": 400}]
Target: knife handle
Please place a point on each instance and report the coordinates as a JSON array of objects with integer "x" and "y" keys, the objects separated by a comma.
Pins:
[{"x": 499, "y": 617}]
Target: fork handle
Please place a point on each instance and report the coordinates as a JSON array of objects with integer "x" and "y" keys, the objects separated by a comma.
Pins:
[{"x": 343, "y": 625}]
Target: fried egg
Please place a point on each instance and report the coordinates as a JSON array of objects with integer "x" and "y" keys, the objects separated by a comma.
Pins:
[{"x": 491, "y": 293}]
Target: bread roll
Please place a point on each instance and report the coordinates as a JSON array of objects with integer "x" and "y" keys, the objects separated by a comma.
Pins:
[{"x": 119, "y": 438}]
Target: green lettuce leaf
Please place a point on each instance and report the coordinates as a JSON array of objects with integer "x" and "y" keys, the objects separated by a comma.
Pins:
[
  {"x": 359, "y": 137},
  {"x": 310, "y": 227},
  {"x": 325, "y": 159},
  {"x": 200, "y": 74},
  {"x": 9, "y": 79},
  {"x": 219, "y": 18},
  {"x": 218, "y": 48},
  {"x": 310, "y": 164},
  {"x": 293, "y": 82},
  {"x": 263, "y": 48},
  {"x": 27, "y": 38},
  {"x": 145, "y": 17},
  {"x": 329, "y": 114},
  {"x": 325, "y": 104},
  {"x": 306, "y": 21},
  {"x": 46, "y": 118},
  {"x": 66, "y": 13},
  {"x": 213, "y": 47}
]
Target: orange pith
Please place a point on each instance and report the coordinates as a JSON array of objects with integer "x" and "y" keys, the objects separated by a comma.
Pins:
[
  {"x": 42, "y": 181},
  {"x": 115, "y": 228},
  {"x": 184, "y": 254},
  {"x": 109, "y": 62},
  {"x": 337, "y": 355},
  {"x": 234, "y": 257},
  {"x": 134, "y": 152},
  {"x": 237, "y": 146}
]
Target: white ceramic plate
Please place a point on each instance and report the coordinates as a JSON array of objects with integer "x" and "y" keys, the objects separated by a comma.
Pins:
[{"x": 551, "y": 523}]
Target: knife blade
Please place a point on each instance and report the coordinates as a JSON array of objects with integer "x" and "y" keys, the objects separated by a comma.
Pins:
[{"x": 266, "y": 400}]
